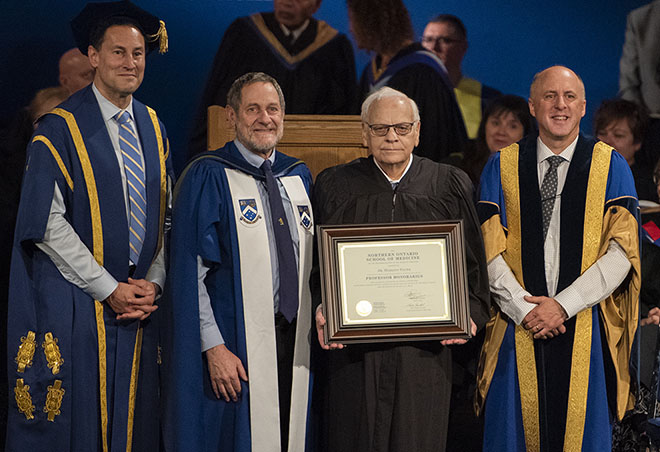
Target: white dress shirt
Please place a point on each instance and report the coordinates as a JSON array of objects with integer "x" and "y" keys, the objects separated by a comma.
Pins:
[
  {"x": 593, "y": 286},
  {"x": 63, "y": 245}
]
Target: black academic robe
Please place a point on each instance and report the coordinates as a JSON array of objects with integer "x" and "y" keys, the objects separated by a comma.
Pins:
[
  {"x": 443, "y": 131},
  {"x": 395, "y": 396},
  {"x": 316, "y": 72}
]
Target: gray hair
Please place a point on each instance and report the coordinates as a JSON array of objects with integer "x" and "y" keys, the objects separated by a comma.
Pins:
[
  {"x": 383, "y": 93},
  {"x": 234, "y": 95}
]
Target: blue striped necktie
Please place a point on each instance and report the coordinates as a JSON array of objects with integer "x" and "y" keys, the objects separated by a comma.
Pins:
[{"x": 135, "y": 183}]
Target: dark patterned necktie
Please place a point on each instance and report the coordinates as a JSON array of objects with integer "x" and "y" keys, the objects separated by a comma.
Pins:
[
  {"x": 288, "y": 290},
  {"x": 549, "y": 191}
]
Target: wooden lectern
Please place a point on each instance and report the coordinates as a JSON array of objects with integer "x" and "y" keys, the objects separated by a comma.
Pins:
[{"x": 321, "y": 141}]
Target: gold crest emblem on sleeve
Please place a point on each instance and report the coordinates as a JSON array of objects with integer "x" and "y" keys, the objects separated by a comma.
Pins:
[
  {"x": 52, "y": 352},
  {"x": 26, "y": 351},
  {"x": 23, "y": 399},
  {"x": 54, "y": 400}
]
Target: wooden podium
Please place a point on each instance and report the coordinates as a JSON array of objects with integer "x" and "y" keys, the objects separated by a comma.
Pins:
[{"x": 321, "y": 141}]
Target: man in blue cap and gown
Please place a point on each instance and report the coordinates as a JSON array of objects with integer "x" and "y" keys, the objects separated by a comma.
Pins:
[{"x": 88, "y": 254}]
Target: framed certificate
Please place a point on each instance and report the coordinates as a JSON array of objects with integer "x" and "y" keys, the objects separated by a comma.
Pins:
[{"x": 393, "y": 282}]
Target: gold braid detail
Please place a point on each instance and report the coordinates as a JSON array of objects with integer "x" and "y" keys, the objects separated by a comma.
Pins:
[
  {"x": 97, "y": 251},
  {"x": 26, "y": 351},
  {"x": 52, "y": 352},
  {"x": 23, "y": 399},
  {"x": 593, "y": 224},
  {"x": 54, "y": 400}
]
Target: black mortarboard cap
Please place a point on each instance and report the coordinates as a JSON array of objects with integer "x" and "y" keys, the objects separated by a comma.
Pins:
[{"x": 98, "y": 13}]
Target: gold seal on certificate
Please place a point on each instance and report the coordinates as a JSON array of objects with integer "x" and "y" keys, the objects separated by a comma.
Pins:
[{"x": 390, "y": 282}]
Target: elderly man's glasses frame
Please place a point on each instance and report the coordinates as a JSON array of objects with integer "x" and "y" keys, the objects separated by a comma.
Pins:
[{"x": 401, "y": 129}]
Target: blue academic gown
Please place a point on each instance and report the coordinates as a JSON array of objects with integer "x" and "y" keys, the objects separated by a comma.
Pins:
[
  {"x": 547, "y": 383},
  {"x": 205, "y": 224},
  {"x": 107, "y": 369}
]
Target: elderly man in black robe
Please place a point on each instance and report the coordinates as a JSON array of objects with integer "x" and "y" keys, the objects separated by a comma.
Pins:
[{"x": 395, "y": 396}]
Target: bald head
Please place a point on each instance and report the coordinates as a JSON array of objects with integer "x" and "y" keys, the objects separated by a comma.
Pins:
[
  {"x": 75, "y": 71},
  {"x": 540, "y": 78},
  {"x": 557, "y": 101}
]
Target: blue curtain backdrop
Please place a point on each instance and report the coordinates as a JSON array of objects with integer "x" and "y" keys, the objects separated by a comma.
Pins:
[{"x": 509, "y": 41}]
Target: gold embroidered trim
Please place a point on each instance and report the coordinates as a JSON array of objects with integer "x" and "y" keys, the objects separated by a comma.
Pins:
[
  {"x": 97, "y": 251},
  {"x": 526, "y": 361},
  {"x": 56, "y": 156},
  {"x": 163, "y": 177},
  {"x": 88, "y": 172},
  {"x": 23, "y": 399},
  {"x": 511, "y": 190},
  {"x": 593, "y": 224},
  {"x": 324, "y": 33},
  {"x": 54, "y": 400},
  {"x": 26, "y": 351},
  {"x": 103, "y": 385},
  {"x": 52, "y": 352},
  {"x": 133, "y": 388},
  {"x": 159, "y": 358},
  {"x": 529, "y": 389}
]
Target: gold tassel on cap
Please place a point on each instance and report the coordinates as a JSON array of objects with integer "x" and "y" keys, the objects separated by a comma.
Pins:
[{"x": 161, "y": 35}]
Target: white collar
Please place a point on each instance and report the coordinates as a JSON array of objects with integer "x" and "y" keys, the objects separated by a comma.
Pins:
[
  {"x": 543, "y": 151},
  {"x": 389, "y": 179},
  {"x": 297, "y": 32}
]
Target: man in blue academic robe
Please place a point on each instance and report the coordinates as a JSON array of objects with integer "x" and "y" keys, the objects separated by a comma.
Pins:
[
  {"x": 83, "y": 345},
  {"x": 237, "y": 355},
  {"x": 559, "y": 216}
]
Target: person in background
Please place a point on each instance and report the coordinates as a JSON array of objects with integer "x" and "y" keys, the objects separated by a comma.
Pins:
[
  {"x": 46, "y": 100},
  {"x": 639, "y": 73},
  {"x": 446, "y": 36},
  {"x": 622, "y": 124},
  {"x": 384, "y": 28},
  {"x": 75, "y": 70},
  {"x": 506, "y": 121},
  {"x": 311, "y": 61}
]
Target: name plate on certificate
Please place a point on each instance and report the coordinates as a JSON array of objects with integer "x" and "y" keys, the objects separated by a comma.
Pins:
[{"x": 394, "y": 282}]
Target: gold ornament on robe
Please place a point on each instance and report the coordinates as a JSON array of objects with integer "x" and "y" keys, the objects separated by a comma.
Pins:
[
  {"x": 52, "y": 352},
  {"x": 26, "y": 351},
  {"x": 54, "y": 400},
  {"x": 23, "y": 399}
]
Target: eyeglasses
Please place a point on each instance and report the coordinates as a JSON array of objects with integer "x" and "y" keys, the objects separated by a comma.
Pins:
[
  {"x": 433, "y": 40},
  {"x": 402, "y": 128}
]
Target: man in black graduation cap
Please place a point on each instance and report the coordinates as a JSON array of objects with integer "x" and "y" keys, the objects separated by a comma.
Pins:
[
  {"x": 88, "y": 262},
  {"x": 311, "y": 61}
]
